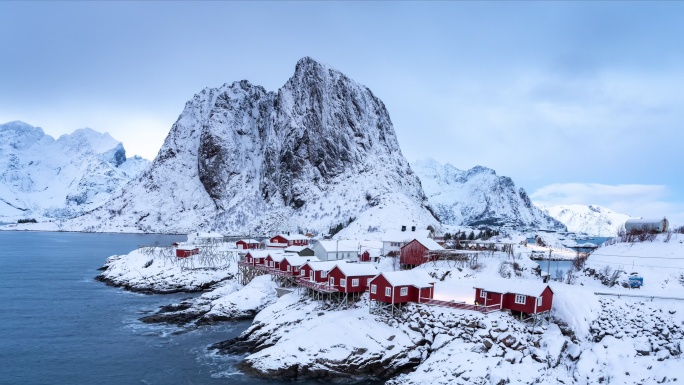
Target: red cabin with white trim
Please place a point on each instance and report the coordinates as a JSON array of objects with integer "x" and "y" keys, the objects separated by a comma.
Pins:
[
  {"x": 524, "y": 297},
  {"x": 282, "y": 241},
  {"x": 257, "y": 257},
  {"x": 247, "y": 244},
  {"x": 317, "y": 271},
  {"x": 351, "y": 277},
  {"x": 186, "y": 251},
  {"x": 397, "y": 287},
  {"x": 292, "y": 263},
  {"x": 414, "y": 253}
]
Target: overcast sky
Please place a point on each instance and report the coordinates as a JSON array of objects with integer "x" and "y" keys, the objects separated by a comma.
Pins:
[{"x": 578, "y": 102}]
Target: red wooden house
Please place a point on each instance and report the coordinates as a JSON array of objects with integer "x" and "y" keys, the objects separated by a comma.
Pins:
[
  {"x": 282, "y": 241},
  {"x": 247, "y": 244},
  {"x": 415, "y": 252},
  {"x": 520, "y": 296},
  {"x": 186, "y": 251},
  {"x": 351, "y": 277},
  {"x": 291, "y": 263},
  {"x": 397, "y": 287},
  {"x": 317, "y": 271},
  {"x": 273, "y": 259},
  {"x": 257, "y": 257}
]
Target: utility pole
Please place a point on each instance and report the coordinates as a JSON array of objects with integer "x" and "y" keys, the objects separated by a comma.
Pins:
[{"x": 548, "y": 266}]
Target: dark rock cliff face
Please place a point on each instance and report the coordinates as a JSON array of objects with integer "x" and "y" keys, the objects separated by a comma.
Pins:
[{"x": 240, "y": 158}]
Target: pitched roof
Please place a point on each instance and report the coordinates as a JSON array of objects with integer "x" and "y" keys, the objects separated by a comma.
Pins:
[
  {"x": 416, "y": 277},
  {"x": 249, "y": 241},
  {"x": 339, "y": 246},
  {"x": 293, "y": 237},
  {"x": 525, "y": 287},
  {"x": 296, "y": 260},
  {"x": 357, "y": 269},
  {"x": 324, "y": 266},
  {"x": 429, "y": 243},
  {"x": 404, "y": 236},
  {"x": 296, "y": 249},
  {"x": 263, "y": 253}
]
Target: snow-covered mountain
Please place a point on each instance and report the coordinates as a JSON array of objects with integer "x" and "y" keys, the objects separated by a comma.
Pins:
[
  {"x": 47, "y": 178},
  {"x": 319, "y": 151},
  {"x": 593, "y": 220},
  {"x": 478, "y": 197}
]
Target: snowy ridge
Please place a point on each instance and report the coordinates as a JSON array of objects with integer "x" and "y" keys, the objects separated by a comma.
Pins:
[
  {"x": 44, "y": 178},
  {"x": 317, "y": 152},
  {"x": 478, "y": 197},
  {"x": 592, "y": 219}
]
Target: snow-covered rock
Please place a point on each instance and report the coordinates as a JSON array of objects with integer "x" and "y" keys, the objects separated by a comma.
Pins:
[
  {"x": 43, "y": 178},
  {"x": 478, "y": 197},
  {"x": 319, "y": 151}
]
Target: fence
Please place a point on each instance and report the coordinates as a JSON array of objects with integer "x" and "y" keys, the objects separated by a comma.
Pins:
[{"x": 460, "y": 305}]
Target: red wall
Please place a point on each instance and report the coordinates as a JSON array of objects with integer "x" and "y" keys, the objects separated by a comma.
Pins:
[
  {"x": 338, "y": 275},
  {"x": 509, "y": 301},
  {"x": 396, "y": 297},
  {"x": 413, "y": 253},
  {"x": 317, "y": 276},
  {"x": 246, "y": 246},
  {"x": 186, "y": 253},
  {"x": 492, "y": 298}
]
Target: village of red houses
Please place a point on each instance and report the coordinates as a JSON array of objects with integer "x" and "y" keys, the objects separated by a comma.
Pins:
[{"x": 340, "y": 271}]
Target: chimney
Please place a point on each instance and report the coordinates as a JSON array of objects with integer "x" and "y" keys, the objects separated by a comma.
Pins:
[
  {"x": 413, "y": 228},
  {"x": 403, "y": 228}
]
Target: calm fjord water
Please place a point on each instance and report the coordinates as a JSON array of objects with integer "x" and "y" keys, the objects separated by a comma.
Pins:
[{"x": 60, "y": 326}]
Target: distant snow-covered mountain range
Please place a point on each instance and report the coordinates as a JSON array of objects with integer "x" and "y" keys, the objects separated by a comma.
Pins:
[
  {"x": 592, "y": 219},
  {"x": 44, "y": 178},
  {"x": 319, "y": 152}
]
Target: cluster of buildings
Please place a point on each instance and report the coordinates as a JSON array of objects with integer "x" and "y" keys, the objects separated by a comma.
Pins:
[{"x": 336, "y": 270}]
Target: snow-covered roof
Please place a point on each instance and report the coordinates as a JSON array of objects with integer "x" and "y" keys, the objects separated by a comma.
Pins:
[
  {"x": 339, "y": 246},
  {"x": 296, "y": 249},
  {"x": 429, "y": 243},
  {"x": 357, "y": 269},
  {"x": 249, "y": 241},
  {"x": 297, "y": 260},
  {"x": 526, "y": 287},
  {"x": 278, "y": 257},
  {"x": 294, "y": 237},
  {"x": 404, "y": 236},
  {"x": 324, "y": 265},
  {"x": 642, "y": 221},
  {"x": 416, "y": 277},
  {"x": 186, "y": 247},
  {"x": 263, "y": 253},
  {"x": 209, "y": 235}
]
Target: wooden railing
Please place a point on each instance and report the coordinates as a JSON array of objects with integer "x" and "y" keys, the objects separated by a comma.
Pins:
[{"x": 460, "y": 305}]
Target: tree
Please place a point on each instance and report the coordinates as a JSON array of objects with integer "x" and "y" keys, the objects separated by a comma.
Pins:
[
  {"x": 471, "y": 236},
  {"x": 447, "y": 236}
]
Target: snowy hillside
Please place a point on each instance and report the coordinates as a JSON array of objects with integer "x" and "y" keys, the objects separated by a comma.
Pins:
[
  {"x": 592, "y": 219},
  {"x": 56, "y": 179},
  {"x": 478, "y": 197},
  {"x": 319, "y": 151}
]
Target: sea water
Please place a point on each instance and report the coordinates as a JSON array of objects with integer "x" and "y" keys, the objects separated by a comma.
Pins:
[{"x": 60, "y": 326}]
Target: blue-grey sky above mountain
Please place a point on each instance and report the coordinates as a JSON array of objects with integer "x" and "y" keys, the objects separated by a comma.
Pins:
[{"x": 578, "y": 102}]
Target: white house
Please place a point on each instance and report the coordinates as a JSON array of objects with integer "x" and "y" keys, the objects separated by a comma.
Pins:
[
  {"x": 393, "y": 241},
  {"x": 336, "y": 250}
]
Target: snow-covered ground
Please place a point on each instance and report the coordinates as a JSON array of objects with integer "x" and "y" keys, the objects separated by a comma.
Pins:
[{"x": 590, "y": 338}]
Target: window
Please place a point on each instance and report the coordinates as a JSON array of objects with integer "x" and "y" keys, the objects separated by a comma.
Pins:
[
  {"x": 520, "y": 299},
  {"x": 289, "y": 268},
  {"x": 332, "y": 281},
  {"x": 388, "y": 291},
  {"x": 404, "y": 291},
  {"x": 369, "y": 281},
  {"x": 355, "y": 282},
  {"x": 374, "y": 289},
  {"x": 343, "y": 282},
  {"x": 302, "y": 273},
  {"x": 272, "y": 263},
  {"x": 539, "y": 301},
  {"x": 324, "y": 274},
  {"x": 483, "y": 293},
  {"x": 312, "y": 276}
]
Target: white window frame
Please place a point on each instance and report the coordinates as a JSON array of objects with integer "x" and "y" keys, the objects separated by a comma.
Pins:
[
  {"x": 355, "y": 282},
  {"x": 343, "y": 282},
  {"x": 539, "y": 301},
  {"x": 403, "y": 292},
  {"x": 312, "y": 275},
  {"x": 388, "y": 292},
  {"x": 374, "y": 289},
  {"x": 520, "y": 299},
  {"x": 483, "y": 293},
  {"x": 331, "y": 281},
  {"x": 369, "y": 281},
  {"x": 289, "y": 268},
  {"x": 324, "y": 274},
  {"x": 302, "y": 273}
]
